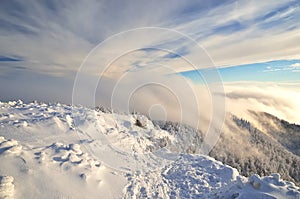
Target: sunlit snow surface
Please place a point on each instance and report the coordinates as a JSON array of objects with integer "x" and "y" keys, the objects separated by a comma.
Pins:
[{"x": 50, "y": 151}]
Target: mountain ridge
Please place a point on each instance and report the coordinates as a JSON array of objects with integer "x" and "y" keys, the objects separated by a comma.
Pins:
[{"x": 51, "y": 145}]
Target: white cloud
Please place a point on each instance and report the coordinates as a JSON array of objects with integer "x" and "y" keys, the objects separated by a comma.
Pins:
[
  {"x": 295, "y": 65},
  {"x": 279, "y": 99},
  {"x": 257, "y": 42},
  {"x": 55, "y": 37}
]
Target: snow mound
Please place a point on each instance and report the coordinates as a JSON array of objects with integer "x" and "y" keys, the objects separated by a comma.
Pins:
[
  {"x": 6, "y": 187},
  {"x": 260, "y": 187},
  {"x": 10, "y": 146},
  {"x": 69, "y": 157},
  {"x": 196, "y": 175},
  {"x": 191, "y": 176}
]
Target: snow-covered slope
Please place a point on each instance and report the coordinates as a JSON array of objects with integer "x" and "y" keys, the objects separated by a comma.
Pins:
[
  {"x": 282, "y": 131},
  {"x": 60, "y": 151},
  {"x": 244, "y": 147}
]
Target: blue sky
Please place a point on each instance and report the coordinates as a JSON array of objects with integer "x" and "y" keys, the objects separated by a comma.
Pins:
[
  {"x": 283, "y": 71},
  {"x": 250, "y": 40}
]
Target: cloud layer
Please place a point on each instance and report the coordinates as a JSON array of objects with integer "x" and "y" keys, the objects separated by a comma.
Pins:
[{"x": 279, "y": 99}]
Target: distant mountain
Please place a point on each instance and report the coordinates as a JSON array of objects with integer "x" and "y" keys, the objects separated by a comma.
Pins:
[
  {"x": 282, "y": 131},
  {"x": 262, "y": 154}
]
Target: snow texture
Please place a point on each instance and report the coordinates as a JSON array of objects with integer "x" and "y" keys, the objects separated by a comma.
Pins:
[{"x": 60, "y": 151}]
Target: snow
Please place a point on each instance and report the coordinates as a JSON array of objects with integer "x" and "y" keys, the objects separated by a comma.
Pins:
[
  {"x": 60, "y": 151},
  {"x": 6, "y": 187}
]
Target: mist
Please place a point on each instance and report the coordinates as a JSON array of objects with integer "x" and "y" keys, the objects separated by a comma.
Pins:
[{"x": 278, "y": 99}]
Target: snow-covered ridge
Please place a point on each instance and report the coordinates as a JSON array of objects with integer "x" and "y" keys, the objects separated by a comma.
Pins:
[
  {"x": 244, "y": 147},
  {"x": 48, "y": 151}
]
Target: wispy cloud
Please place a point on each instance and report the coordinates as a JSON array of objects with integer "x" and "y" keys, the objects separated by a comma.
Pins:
[
  {"x": 288, "y": 66},
  {"x": 58, "y": 35}
]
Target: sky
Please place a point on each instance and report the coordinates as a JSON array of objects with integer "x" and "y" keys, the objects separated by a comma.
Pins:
[
  {"x": 284, "y": 71},
  {"x": 186, "y": 61},
  {"x": 46, "y": 46}
]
